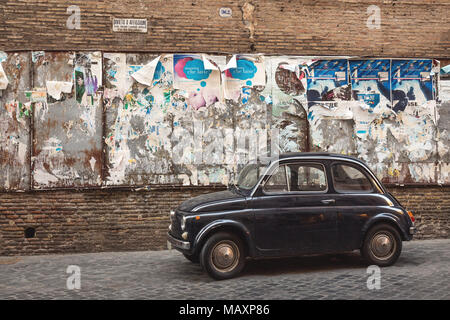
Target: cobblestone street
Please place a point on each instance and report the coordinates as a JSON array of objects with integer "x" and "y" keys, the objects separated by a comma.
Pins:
[{"x": 422, "y": 272}]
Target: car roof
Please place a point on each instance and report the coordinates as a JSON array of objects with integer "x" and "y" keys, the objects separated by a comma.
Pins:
[{"x": 317, "y": 155}]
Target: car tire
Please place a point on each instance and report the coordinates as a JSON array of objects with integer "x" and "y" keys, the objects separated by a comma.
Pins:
[
  {"x": 192, "y": 257},
  {"x": 382, "y": 245},
  {"x": 222, "y": 256}
]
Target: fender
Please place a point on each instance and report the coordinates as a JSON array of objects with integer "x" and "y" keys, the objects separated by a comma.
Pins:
[
  {"x": 203, "y": 234},
  {"x": 388, "y": 217}
]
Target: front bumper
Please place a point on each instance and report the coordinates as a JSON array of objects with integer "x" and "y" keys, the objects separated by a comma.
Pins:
[{"x": 178, "y": 244}]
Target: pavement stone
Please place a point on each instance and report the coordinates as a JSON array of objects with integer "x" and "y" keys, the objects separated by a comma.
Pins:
[{"x": 422, "y": 272}]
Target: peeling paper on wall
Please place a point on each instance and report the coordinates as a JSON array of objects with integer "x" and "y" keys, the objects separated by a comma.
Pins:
[
  {"x": 287, "y": 82},
  {"x": 118, "y": 73},
  {"x": 38, "y": 95},
  {"x": 200, "y": 86},
  {"x": 3, "y": 56},
  {"x": 208, "y": 64},
  {"x": 243, "y": 71},
  {"x": 3, "y": 78},
  {"x": 146, "y": 74},
  {"x": 35, "y": 55},
  {"x": 342, "y": 111},
  {"x": 55, "y": 88},
  {"x": 444, "y": 90},
  {"x": 97, "y": 67}
]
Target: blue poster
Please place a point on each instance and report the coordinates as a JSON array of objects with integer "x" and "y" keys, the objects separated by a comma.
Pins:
[
  {"x": 411, "y": 83},
  {"x": 325, "y": 80},
  {"x": 371, "y": 82}
]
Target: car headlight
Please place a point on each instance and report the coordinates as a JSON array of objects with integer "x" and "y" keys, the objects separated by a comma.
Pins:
[
  {"x": 183, "y": 223},
  {"x": 172, "y": 215}
]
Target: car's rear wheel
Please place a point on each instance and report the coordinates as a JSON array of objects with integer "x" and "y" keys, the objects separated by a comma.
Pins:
[
  {"x": 382, "y": 245},
  {"x": 192, "y": 258},
  {"x": 223, "y": 256}
]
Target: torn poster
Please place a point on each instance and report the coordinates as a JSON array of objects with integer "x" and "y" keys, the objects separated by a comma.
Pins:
[
  {"x": 39, "y": 95},
  {"x": 35, "y": 55},
  {"x": 412, "y": 83},
  {"x": 96, "y": 67},
  {"x": 209, "y": 65},
  {"x": 288, "y": 81},
  {"x": 116, "y": 73},
  {"x": 87, "y": 72},
  {"x": 249, "y": 72},
  {"x": 371, "y": 82},
  {"x": 3, "y": 78},
  {"x": 55, "y": 88},
  {"x": 363, "y": 119},
  {"x": 444, "y": 90},
  {"x": 340, "y": 111},
  {"x": 3, "y": 56},
  {"x": 202, "y": 85},
  {"x": 327, "y": 82},
  {"x": 146, "y": 74},
  {"x": 445, "y": 70}
]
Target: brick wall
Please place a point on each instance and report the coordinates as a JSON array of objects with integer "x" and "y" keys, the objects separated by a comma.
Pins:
[
  {"x": 119, "y": 220},
  {"x": 324, "y": 27}
]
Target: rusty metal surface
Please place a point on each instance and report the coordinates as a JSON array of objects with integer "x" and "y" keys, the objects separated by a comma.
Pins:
[
  {"x": 67, "y": 147},
  {"x": 14, "y": 124}
]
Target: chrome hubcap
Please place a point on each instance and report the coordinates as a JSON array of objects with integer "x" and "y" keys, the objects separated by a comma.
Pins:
[
  {"x": 225, "y": 256},
  {"x": 383, "y": 245}
]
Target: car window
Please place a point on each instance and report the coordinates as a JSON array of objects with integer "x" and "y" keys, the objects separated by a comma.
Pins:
[
  {"x": 249, "y": 175},
  {"x": 278, "y": 182},
  {"x": 311, "y": 177},
  {"x": 295, "y": 177},
  {"x": 350, "y": 179}
]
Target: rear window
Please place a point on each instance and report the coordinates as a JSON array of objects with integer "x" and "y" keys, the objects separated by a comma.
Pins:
[{"x": 348, "y": 178}]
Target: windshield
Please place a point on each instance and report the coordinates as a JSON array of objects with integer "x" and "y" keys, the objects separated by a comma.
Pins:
[{"x": 250, "y": 174}]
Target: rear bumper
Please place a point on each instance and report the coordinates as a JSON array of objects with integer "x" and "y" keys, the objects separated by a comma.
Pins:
[{"x": 184, "y": 246}]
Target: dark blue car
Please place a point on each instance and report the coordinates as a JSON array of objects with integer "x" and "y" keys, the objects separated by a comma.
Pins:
[{"x": 296, "y": 204}]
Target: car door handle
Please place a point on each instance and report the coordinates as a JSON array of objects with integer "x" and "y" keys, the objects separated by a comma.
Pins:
[{"x": 328, "y": 201}]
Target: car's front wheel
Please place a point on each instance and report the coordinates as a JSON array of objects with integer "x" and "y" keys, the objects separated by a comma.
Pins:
[
  {"x": 382, "y": 245},
  {"x": 223, "y": 256}
]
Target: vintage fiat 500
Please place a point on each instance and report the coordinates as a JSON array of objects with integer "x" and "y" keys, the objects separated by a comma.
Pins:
[{"x": 296, "y": 204}]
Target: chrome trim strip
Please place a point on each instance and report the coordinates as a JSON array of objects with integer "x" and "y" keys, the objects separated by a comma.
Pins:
[
  {"x": 201, "y": 206},
  {"x": 185, "y": 245}
]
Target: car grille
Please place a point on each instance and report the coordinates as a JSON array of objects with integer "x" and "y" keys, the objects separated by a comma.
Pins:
[{"x": 176, "y": 225}]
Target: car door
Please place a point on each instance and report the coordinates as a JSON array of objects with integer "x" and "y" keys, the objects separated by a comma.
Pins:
[
  {"x": 357, "y": 198},
  {"x": 293, "y": 212}
]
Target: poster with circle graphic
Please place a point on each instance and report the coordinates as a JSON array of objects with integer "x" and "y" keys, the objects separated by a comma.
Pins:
[
  {"x": 202, "y": 86},
  {"x": 248, "y": 72}
]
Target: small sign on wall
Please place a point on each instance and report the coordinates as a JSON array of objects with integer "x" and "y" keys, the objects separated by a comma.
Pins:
[
  {"x": 225, "y": 12},
  {"x": 129, "y": 25}
]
